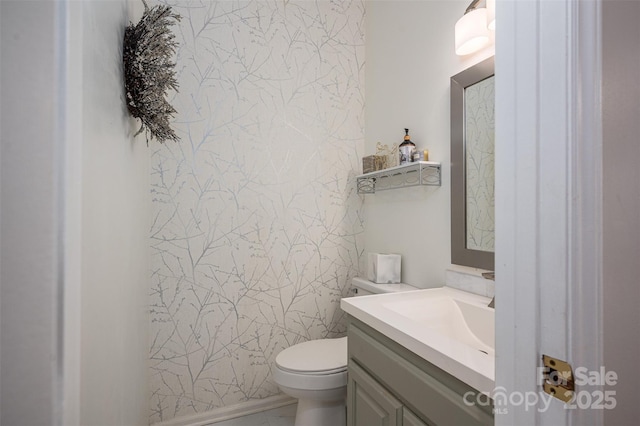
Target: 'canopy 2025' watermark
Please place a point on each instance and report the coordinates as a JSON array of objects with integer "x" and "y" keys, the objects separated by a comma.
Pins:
[{"x": 596, "y": 399}]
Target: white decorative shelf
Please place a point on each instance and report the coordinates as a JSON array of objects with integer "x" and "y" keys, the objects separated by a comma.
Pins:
[{"x": 411, "y": 174}]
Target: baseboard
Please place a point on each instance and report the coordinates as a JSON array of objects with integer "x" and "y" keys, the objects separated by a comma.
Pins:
[{"x": 230, "y": 412}]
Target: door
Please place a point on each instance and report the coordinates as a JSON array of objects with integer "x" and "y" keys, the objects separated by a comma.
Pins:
[
  {"x": 548, "y": 204},
  {"x": 370, "y": 404},
  {"x": 410, "y": 419}
]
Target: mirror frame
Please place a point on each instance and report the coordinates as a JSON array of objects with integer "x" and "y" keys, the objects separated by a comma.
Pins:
[{"x": 460, "y": 254}]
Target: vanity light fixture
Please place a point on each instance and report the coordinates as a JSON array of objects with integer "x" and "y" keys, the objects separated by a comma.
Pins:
[{"x": 472, "y": 33}]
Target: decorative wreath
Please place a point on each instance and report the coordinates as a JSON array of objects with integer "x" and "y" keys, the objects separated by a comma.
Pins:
[{"x": 149, "y": 72}]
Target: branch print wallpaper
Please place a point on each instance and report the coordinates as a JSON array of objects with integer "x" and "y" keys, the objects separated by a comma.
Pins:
[{"x": 256, "y": 228}]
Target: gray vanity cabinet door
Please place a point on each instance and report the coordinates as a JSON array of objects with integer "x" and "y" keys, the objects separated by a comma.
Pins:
[
  {"x": 410, "y": 419},
  {"x": 369, "y": 403}
]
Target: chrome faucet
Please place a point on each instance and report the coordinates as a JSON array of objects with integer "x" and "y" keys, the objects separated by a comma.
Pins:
[{"x": 490, "y": 276}]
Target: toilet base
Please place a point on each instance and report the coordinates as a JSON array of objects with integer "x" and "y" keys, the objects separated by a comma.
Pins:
[{"x": 321, "y": 413}]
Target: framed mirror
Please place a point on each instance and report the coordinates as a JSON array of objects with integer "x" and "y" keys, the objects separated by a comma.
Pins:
[{"x": 472, "y": 166}]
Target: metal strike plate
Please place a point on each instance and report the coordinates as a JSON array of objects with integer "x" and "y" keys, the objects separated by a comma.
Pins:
[
  {"x": 558, "y": 378},
  {"x": 558, "y": 392}
]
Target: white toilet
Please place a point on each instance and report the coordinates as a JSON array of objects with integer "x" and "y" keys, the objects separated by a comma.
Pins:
[{"x": 315, "y": 372}]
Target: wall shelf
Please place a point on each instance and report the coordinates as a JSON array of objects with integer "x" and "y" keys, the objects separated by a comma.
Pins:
[{"x": 411, "y": 174}]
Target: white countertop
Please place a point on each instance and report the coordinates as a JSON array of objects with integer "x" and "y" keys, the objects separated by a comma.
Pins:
[{"x": 462, "y": 361}]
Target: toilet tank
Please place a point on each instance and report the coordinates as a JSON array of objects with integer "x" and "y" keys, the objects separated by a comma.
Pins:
[{"x": 363, "y": 287}]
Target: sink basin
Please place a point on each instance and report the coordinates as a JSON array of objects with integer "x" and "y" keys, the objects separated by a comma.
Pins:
[
  {"x": 467, "y": 323},
  {"x": 450, "y": 328}
]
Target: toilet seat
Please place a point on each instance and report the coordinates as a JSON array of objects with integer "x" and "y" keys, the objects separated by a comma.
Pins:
[
  {"x": 310, "y": 382},
  {"x": 315, "y": 357},
  {"x": 314, "y": 373},
  {"x": 313, "y": 365}
]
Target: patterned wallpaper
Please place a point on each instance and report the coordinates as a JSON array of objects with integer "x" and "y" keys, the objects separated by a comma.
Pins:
[
  {"x": 480, "y": 160},
  {"x": 257, "y": 229}
]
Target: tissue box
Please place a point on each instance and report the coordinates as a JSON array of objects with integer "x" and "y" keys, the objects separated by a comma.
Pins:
[{"x": 384, "y": 268}]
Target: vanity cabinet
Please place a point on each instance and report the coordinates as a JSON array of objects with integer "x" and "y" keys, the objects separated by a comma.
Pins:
[{"x": 390, "y": 385}]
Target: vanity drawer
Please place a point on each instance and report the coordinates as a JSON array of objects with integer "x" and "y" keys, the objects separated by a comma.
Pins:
[{"x": 434, "y": 395}]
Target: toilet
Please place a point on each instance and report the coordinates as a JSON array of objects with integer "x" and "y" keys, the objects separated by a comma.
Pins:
[{"x": 315, "y": 372}]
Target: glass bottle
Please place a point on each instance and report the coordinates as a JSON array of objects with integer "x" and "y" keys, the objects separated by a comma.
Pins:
[{"x": 406, "y": 149}]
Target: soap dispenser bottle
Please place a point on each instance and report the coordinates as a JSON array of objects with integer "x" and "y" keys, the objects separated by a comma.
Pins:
[{"x": 406, "y": 149}]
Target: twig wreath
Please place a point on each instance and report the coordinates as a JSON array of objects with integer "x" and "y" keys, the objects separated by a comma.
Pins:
[{"x": 149, "y": 72}]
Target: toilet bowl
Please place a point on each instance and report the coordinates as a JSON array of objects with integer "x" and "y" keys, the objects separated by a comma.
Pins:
[{"x": 315, "y": 372}]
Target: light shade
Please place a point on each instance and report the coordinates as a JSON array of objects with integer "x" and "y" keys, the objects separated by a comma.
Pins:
[
  {"x": 491, "y": 14},
  {"x": 472, "y": 33}
]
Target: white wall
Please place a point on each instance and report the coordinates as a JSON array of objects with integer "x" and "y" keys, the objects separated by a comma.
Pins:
[
  {"x": 74, "y": 189},
  {"x": 410, "y": 59},
  {"x": 115, "y": 226},
  {"x": 621, "y": 186},
  {"x": 30, "y": 338}
]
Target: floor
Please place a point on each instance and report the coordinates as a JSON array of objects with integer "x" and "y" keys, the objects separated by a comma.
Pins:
[{"x": 283, "y": 416}]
